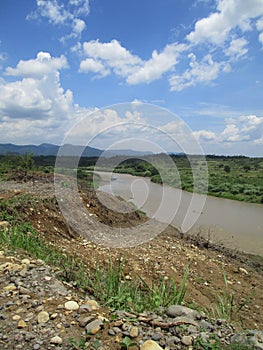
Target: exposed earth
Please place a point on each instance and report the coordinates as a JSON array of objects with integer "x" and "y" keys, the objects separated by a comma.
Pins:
[{"x": 167, "y": 255}]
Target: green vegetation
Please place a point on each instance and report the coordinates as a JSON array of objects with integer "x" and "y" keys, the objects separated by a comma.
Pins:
[
  {"x": 213, "y": 343},
  {"x": 238, "y": 178},
  {"x": 227, "y": 305}
]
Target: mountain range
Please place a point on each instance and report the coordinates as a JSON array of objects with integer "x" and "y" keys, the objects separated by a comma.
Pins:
[{"x": 48, "y": 149}]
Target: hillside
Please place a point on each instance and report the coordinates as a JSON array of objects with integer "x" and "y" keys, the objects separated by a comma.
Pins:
[{"x": 33, "y": 228}]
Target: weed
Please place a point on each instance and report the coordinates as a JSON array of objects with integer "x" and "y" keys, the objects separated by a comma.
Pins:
[
  {"x": 227, "y": 305},
  {"x": 79, "y": 344},
  {"x": 126, "y": 343}
]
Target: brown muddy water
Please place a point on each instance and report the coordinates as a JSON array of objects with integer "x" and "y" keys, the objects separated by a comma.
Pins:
[{"x": 236, "y": 225}]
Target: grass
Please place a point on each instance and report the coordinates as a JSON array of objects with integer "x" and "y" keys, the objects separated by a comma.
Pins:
[
  {"x": 108, "y": 284},
  {"x": 227, "y": 306}
]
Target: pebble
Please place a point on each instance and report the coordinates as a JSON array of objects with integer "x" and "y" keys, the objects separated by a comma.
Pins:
[
  {"x": 179, "y": 310},
  {"x": 21, "y": 324},
  {"x": 94, "y": 326},
  {"x": 134, "y": 332},
  {"x": 187, "y": 340},
  {"x": 150, "y": 345},
  {"x": 71, "y": 305},
  {"x": 56, "y": 340},
  {"x": 43, "y": 317}
]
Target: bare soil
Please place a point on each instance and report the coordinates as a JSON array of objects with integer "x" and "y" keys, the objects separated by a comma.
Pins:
[{"x": 166, "y": 255}]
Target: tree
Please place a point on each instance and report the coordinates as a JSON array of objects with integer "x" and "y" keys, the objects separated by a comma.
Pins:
[
  {"x": 227, "y": 168},
  {"x": 26, "y": 162}
]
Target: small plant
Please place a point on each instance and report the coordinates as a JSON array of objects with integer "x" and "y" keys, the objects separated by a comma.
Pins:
[
  {"x": 126, "y": 343},
  {"x": 227, "y": 305},
  {"x": 79, "y": 344}
]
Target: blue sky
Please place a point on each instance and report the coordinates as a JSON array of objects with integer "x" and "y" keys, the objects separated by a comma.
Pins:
[{"x": 201, "y": 60}]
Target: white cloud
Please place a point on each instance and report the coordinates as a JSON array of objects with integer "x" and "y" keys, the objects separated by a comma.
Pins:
[
  {"x": 43, "y": 64},
  {"x": 36, "y": 104},
  {"x": 116, "y": 58},
  {"x": 260, "y": 38},
  {"x": 204, "y": 72},
  {"x": 247, "y": 128},
  {"x": 157, "y": 65},
  {"x": 237, "y": 48},
  {"x": 205, "y": 135},
  {"x": 91, "y": 65},
  {"x": 113, "y": 56},
  {"x": 260, "y": 24},
  {"x": 230, "y": 14},
  {"x": 59, "y": 13}
]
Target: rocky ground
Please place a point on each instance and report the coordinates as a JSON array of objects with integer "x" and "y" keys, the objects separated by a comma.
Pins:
[{"x": 38, "y": 311}]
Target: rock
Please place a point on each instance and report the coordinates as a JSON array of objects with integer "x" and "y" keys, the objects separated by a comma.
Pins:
[
  {"x": 150, "y": 345},
  {"x": 21, "y": 324},
  {"x": 187, "y": 340},
  {"x": 4, "y": 224},
  {"x": 92, "y": 305},
  {"x": 54, "y": 315},
  {"x": 179, "y": 310},
  {"x": 71, "y": 305},
  {"x": 9, "y": 288},
  {"x": 56, "y": 340},
  {"x": 16, "y": 317},
  {"x": 43, "y": 317},
  {"x": 253, "y": 339},
  {"x": 94, "y": 326},
  {"x": 134, "y": 332},
  {"x": 241, "y": 269},
  {"x": 157, "y": 336},
  {"x": 25, "y": 261},
  {"x": 85, "y": 320}
]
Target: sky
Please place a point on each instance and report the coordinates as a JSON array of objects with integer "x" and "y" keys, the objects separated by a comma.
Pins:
[{"x": 107, "y": 70}]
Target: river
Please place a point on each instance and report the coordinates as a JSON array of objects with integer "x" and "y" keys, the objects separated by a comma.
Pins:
[{"x": 236, "y": 225}]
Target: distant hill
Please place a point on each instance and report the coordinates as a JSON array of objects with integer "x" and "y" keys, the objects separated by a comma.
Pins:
[{"x": 48, "y": 149}]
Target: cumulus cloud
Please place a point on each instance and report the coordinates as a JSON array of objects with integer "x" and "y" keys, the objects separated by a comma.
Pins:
[
  {"x": 57, "y": 13},
  {"x": 230, "y": 14},
  {"x": 43, "y": 64},
  {"x": 247, "y": 128},
  {"x": 91, "y": 65},
  {"x": 199, "y": 72},
  {"x": 113, "y": 57},
  {"x": 37, "y": 101},
  {"x": 237, "y": 48},
  {"x": 157, "y": 65}
]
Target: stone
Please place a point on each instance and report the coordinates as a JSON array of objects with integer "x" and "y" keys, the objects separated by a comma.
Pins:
[
  {"x": 21, "y": 324},
  {"x": 150, "y": 345},
  {"x": 9, "y": 288},
  {"x": 71, "y": 305},
  {"x": 85, "y": 320},
  {"x": 179, "y": 310},
  {"x": 251, "y": 338},
  {"x": 56, "y": 340},
  {"x": 43, "y": 317},
  {"x": 16, "y": 318},
  {"x": 4, "y": 224},
  {"x": 92, "y": 305},
  {"x": 134, "y": 332},
  {"x": 25, "y": 261},
  {"x": 241, "y": 269},
  {"x": 94, "y": 326},
  {"x": 187, "y": 340}
]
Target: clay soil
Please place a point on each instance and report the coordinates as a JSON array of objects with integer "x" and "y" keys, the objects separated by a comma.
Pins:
[{"x": 168, "y": 254}]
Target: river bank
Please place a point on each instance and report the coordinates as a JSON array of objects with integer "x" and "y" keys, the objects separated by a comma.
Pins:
[{"x": 232, "y": 224}]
